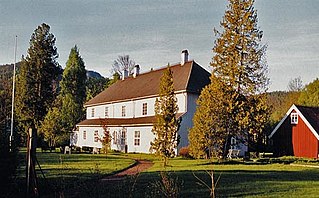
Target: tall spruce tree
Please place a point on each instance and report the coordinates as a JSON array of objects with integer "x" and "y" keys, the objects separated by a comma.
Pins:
[
  {"x": 36, "y": 86},
  {"x": 73, "y": 90},
  {"x": 239, "y": 66},
  {"x": 166, "y": 125}
]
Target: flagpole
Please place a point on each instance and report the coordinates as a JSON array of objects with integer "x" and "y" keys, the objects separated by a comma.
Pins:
[{"x": 13, "y": 90}]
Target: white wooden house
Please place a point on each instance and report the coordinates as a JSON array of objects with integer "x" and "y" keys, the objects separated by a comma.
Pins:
[{"x": 126, "y": 108}]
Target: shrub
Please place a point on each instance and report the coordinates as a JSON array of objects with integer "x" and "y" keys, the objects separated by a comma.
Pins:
[{"x": 184, "y": 152}]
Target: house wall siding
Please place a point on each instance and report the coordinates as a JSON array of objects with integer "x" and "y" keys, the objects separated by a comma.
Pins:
[
  {"x": 305, "y": 144},
  {"x": 295, "y": 140},
  {"x": 89, "y": 141},
  {"x": 187, "y": 119},
  {"x": 133, "y": 108},
  {"x": 146, "y": 136}
]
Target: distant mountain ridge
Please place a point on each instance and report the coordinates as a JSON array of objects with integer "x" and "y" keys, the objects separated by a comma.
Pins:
[
  {"x": 6, "y": 72},
  {"x": 93, "y": 74}
]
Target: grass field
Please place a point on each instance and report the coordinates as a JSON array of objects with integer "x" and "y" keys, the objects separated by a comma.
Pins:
[{"x": 78, "y": 175}]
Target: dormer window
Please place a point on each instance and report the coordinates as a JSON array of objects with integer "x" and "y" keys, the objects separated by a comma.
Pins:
[{"x": 294, "y": 118}]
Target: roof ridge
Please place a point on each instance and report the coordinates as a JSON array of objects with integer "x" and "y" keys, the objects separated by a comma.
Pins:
[
  {"x": 164, "y": 67},
  {"x": 301, "y": 114},
  {"x": 146, "y": 84},
  {"x": 189, "y": 74}
]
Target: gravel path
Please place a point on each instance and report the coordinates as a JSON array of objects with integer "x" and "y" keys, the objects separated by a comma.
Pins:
[{"x": 139, "y": 166}]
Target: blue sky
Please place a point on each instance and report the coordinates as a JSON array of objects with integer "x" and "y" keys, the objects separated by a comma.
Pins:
[{"x": 154, "y": 32}]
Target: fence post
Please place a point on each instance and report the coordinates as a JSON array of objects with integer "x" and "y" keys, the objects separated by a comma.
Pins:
[{"x": 32, "y": 187}]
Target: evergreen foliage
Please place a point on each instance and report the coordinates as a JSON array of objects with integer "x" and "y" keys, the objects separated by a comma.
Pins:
[
  {"x": 279, "y": 103},
  {"x": 37, "y": 80},
  {"x": 207, "y": 137},
  {"x": 239, "y": 69},
  {"x": 309, "y": 96},
  {"x": 94, "y": 86},
  {"x": 166, "y": 125},
  {"x": 8, "y": 160},
  {"x": 73, "y": 91},
  {"x": 51, "y": 127}
]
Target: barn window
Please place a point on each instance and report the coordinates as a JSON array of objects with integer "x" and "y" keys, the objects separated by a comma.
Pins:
[{"x": 294, "y": 118}]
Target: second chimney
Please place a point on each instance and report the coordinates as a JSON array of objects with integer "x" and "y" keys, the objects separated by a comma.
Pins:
[
  {"x": 136, "y": 71},
  {"x": 124, "y": 74},
  {"x": 184, "y": 57}
]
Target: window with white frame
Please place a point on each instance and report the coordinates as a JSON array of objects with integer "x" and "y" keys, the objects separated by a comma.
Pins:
[
  {"x": 92, "y": 112},
  {"x": 84, "y": 135},
  {"x": 123, "y": 136},
  {"x": 137, "y": 138},
  {"x": 106, "y": 111},
  {"x": 96, "y": 136},
  {"x": 294, "y": 118},
  {"x": 123, "y": 111},
  {"x": 144, "y": 112}
]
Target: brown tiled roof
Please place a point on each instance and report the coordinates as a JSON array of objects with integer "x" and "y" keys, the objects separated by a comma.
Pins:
[
  {"x": 120, "y": 121},
  {"x": 312, "y": 116},
  {"x": 190, "y": 77}
]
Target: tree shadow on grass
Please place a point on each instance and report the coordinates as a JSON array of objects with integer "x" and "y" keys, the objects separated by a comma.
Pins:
[{"x": 233, "y": 183}]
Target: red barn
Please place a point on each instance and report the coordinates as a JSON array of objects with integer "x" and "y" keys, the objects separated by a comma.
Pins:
[{"x": 297, "y": 134}]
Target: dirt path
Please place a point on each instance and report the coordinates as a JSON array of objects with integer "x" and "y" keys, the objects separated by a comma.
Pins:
[{"x": 139, "y": 166}]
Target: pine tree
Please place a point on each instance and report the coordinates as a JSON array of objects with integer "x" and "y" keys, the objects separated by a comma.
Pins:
[
  {"x": 239, "y": 68},
  {"x": 37, "y": 78},
  {"x": 73, "y": 91},
  {"x": 166, "y": 125},
  {"x": 94, "y": 86}
]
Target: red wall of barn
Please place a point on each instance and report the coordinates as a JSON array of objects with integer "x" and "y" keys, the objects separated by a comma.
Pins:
[{"x": 305, "y": 144}]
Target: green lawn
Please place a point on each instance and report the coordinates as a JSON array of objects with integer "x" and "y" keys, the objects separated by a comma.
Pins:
[
  {"x": 78, "y": 175},
  {"x": 238, "y": 180},
  {"x": 63, "y": 171}
]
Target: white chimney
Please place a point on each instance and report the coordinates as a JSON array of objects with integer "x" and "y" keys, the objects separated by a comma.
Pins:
[
  {"x": 184, "y": 56},
  {"x": 136, "y": 71},
  {"x": 124, "y": 74}
]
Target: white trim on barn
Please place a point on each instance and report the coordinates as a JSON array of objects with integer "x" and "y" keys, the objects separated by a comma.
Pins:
[{"x": 294, "y": 107}]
